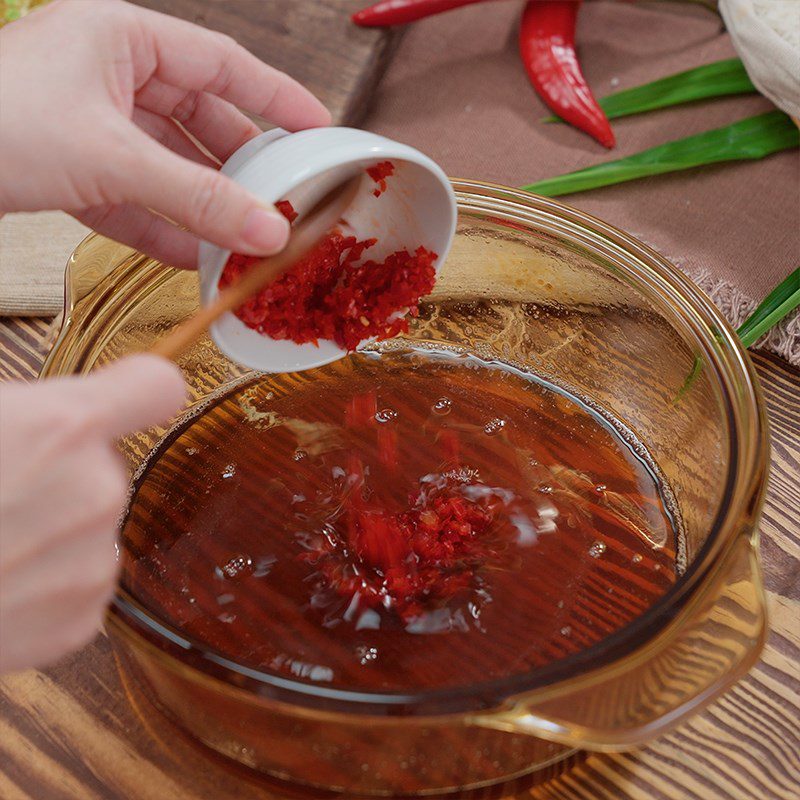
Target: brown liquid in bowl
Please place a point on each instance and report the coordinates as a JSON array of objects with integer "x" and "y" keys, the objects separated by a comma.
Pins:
[{"x": 227, "y": 509}]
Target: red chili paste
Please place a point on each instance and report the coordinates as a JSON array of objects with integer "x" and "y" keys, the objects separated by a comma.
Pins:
[{"x": 379, "y": 173}]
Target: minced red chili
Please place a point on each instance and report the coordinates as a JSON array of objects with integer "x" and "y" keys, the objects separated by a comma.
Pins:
[
  {"x": 417, "y": 559},
  {"x": 330, "y": 295},
  {"x": 379, "y": 173},
  {"x": 421, "y": 557}
]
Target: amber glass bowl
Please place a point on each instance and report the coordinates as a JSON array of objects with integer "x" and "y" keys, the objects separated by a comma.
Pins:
[{"x": 555, "y": 291}]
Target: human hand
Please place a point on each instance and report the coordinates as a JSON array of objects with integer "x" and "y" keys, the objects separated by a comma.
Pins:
[
  {"x": 62, "y": 489},
  {"x": 90, "y": 92}
]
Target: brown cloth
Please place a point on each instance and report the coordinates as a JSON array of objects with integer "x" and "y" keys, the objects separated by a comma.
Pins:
[{"x": 456, "y": 89}]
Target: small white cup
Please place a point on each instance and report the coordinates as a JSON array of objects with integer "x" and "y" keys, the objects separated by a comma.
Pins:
[{"x": 418, "y": 208}]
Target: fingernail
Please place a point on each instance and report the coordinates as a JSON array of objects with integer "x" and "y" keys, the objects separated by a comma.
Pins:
[{"x": 265, "y": 231}]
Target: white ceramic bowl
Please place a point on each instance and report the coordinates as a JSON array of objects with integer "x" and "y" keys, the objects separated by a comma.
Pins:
[{"x": 418, "y": 208}]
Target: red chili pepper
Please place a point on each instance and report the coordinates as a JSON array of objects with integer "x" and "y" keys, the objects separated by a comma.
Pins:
[
  {"x": 547, "y": 46},
  {"x": 399, "y": 12}
]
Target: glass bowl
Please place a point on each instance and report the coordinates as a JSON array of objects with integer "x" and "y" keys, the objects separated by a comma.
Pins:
[{"x": 538, "y": 284}]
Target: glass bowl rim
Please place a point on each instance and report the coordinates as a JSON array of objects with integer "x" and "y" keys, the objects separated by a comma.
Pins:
[{"x": 742, "y": 496}]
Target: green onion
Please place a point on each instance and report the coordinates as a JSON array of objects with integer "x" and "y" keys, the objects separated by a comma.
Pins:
[
  {"x": 14, "y": 9},
  {"x": 711, "y": 80},
  {"x": 779, "y": 303},
  {"x": 11, "y": 10},
  {"x": 782, "y": 300},
  {"x": 750, "y": 138}
]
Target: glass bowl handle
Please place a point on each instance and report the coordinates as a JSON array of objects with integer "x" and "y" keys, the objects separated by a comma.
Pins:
[{"x": 700, "y": 654}]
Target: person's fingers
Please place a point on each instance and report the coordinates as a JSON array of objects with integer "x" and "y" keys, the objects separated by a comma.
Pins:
[
  {"x": 202, "y": 199},
  {"x": 166, "y": 132},
  {"x": 194, "y": 58},
  {"x": 217, "y": 124},
  {"x": 147, "y": 232},
  {"x": 131, "y": 394}
]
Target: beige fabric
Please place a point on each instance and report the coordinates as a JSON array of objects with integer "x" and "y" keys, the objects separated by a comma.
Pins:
[{"x": 34, "y": 249}]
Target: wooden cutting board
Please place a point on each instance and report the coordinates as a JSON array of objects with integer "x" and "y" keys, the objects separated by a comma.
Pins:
[{"x": 312, "y": 40}]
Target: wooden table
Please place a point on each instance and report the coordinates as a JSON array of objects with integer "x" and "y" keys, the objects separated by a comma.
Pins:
[{"x": 70, "y": 733}]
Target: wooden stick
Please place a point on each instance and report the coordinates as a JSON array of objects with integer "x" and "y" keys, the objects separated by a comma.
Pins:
[{"x": 308, "y": 233}]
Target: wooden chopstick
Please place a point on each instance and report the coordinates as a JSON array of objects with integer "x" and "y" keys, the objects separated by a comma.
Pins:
[{"x": 309, "y": 231}]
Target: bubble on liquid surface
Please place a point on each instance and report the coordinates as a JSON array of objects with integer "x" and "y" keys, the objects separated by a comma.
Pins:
[
  {"x": 229, "y": 471},
  {"x": 597, "y": 549},
  {"x": 299, "y": 455},
  {"x": 637, "y": 558},
  {"x": 236, "y": 567},
  {"x": 366, "y": 654},
  {"x": 566, "y": 630},
  {"x": 385, "y": 415},
  {"x": 442, "y": 406},
  {"x": 494, "y": 426}
]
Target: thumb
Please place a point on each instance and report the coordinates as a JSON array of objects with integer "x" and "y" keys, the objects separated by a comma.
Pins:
[
  {"x": 208, "y": 203},
  {"x": 134, "y": 393}
]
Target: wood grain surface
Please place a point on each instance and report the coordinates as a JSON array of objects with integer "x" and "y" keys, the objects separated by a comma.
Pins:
[
  {"x": 70, "y": 732},
  {"x": 312, "y": 40}
]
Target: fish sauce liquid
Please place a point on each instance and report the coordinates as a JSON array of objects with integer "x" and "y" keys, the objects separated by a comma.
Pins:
[{"x": 402, "y": 519}]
